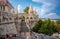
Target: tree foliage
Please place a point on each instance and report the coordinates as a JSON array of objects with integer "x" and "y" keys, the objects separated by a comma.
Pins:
[
  {"x": 26, "y": 10},
  {"x": 58, "y": 21},
  {"x": 37, "y": 26},
  {"x": 46, "y": 27},
  {"x": 58, "y": 25}
]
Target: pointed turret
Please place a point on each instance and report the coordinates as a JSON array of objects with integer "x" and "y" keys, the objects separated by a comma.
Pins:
[
  {"x": 35, "y": 11},
  {"x": 30, "y": 9}
]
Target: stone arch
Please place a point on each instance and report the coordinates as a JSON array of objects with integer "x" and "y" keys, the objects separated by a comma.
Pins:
[{"x": 31, "y": 17}]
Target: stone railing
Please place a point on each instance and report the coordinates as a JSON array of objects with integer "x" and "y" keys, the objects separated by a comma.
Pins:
[{"x": 42, "y": 36}]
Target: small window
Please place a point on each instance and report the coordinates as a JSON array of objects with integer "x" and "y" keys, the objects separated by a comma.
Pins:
[
  {"x": 23, "y": 20},
  {"x": 3, "y": 8},
  {"x": 20, "y": 18},
  {"x": 10, "y": 18},
  {"x": 3, "y": 18},
  {"x": 31, "y": 18},
  {"x": 27, "y": 17}
]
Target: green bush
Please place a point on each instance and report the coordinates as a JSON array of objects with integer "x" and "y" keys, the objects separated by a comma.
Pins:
[
  {"x": 46, "y": 27},
  {"x": 37, "y": 26},
  {"x": 58, "y": 25},
  {"x": 26, "y": 10}
]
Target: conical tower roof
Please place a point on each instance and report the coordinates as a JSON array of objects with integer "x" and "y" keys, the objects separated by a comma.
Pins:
[{"x": 30, "y": 9}]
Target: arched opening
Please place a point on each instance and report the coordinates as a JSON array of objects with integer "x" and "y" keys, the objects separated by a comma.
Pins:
[{"x": 31, "y": 18}]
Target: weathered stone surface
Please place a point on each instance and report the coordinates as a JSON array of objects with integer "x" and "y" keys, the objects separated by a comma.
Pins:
[
  {"x": 42, "y": 36},
  {"x": 8, "y": 28}
]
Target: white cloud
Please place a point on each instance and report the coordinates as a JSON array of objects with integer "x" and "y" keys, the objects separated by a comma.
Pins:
[
  {"x": 45, "y": 8},
  {"x": 36, "y": 0},
  {"x": 40, "y": 1},
  {"x": 19, "y": 8},
  {"x": 52, "y": 16},
  {"x": 42, "y": 12},
  {"x": 45, "y": 1}
]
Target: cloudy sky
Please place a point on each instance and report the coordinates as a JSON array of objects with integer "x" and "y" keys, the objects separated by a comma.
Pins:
[{"x": 44, "y": 8}]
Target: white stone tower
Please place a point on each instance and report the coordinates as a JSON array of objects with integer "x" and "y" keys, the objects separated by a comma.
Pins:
[
  {"x": 30, "y": 9},
  {"x": 32, "y": 15}
]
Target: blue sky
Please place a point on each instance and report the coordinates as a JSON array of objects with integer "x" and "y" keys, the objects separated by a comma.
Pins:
[{"x": 44, "y": 8}]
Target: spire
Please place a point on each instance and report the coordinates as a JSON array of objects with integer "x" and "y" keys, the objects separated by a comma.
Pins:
[
  {"x": 30, "y": 9},
  {"x": 35, "y": 11}
]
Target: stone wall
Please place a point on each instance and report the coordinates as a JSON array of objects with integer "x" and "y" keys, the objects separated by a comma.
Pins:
[{"x": 8, "y": 28}]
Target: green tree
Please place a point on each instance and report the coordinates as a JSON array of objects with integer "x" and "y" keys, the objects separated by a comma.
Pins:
[
  {"x": 58, "y": 25},
  {"x": 46, "y": 27},
  {"x": 58, "y": 21},
  {"x": 37, "y": 26},
  {"x": 26, "y": 10}
]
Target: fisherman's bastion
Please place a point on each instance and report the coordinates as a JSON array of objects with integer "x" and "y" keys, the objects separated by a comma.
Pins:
[
  {"x": 19, "y": 25},
  {"x": 12, "y": 22}
]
